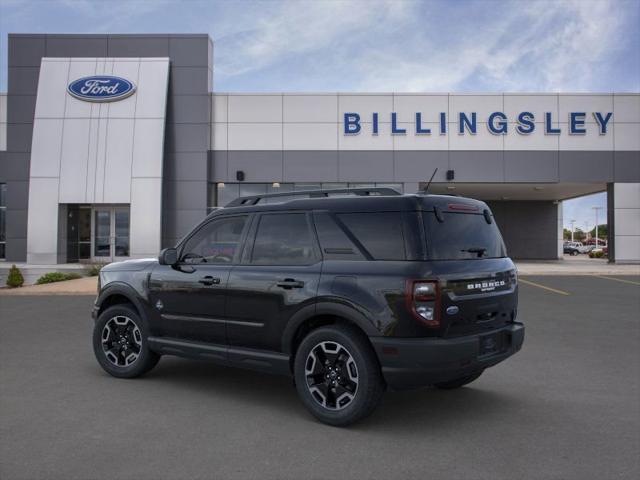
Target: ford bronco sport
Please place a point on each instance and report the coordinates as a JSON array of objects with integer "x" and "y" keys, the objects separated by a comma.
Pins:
[{"x": 349, "y": 292}]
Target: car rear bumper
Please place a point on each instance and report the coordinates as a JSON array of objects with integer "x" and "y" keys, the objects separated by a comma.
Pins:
[{"x": 416, "y": 362}]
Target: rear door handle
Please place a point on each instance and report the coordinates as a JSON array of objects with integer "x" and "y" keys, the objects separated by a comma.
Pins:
[
  {"x": 289, "y": 283},
  {"x": 209, "y": 280}
]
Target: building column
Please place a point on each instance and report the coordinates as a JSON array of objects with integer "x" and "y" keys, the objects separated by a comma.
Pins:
[
  {"x": 623, "y": 208},
  {"x": 560, "y": 236}
]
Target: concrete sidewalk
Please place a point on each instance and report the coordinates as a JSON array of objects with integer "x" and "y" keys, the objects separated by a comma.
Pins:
[{"x": 80, "y": 286}]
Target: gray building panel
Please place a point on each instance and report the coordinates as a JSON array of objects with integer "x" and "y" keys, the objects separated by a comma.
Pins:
[
  {"x": 258, "y": 165},
  {"x": 626, "y": 166},
  {"x": 26, "y": 50},
  {"x": 189, "y": 51},
  {"x": 186, "y": 195},
  {"x": 418, "y": 166},
  {"x": 19, "y": 138},
  {"x": 310, "y": 166},
  {"x": 23, "y": 80},
  {"x": 17, "y": 195},
  {"x": 188, "y": 80},
  {"x": 16, "y": 223},
  {"x": 586, "y": 166},
  {"x": 185, "y": 166},
  {"x": 22, "y": 108},
  {"x": 16, "y": 248},
  {"x": 218, "y": 166},
  {"x": 529, "y": 166},
  {"x": 138, "y": 46},
  {"x": 15, "y": 166},
  {"x": 189, "y": 109},
  {"x": 364, "y": 166},
  {"x": 529, "y": 228},
  {"x": 187, "y": 137},
  {"x": 76, "y": 46},
  {"x": 477, "y": 166}
]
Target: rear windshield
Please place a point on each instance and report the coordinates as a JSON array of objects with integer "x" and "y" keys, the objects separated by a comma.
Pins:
[{"x": 462, "y": 236}]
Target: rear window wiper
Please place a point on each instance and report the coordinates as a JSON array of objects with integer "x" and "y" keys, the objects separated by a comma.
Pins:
[{"x": 479, "y": 250}]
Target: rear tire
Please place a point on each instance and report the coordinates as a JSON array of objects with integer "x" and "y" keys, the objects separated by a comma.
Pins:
[
  {"x": 120, "y": 343},
  {"x": 458, "y": 382},
  {"x": 337, "y": 375}
]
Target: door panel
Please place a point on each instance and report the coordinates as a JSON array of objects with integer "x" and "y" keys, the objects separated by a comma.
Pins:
[
  {"x": 102, "y": 236},
  {"x": 192, "y": 295},
  {"x": 278, "y": 276}
]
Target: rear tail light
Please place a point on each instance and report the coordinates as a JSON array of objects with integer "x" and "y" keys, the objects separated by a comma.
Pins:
[{"x": 423, "y": 301}]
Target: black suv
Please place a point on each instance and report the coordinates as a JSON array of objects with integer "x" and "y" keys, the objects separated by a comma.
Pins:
[{"x": 348, "y": 291}]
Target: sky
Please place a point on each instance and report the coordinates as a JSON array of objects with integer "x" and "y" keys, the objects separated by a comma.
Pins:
[{"x": 378, "y": 45}]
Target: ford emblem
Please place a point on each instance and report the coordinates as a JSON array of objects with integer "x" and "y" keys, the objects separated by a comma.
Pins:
[
  {"x": 452, "y": 310},
  {"x": 101, "y": 88}
]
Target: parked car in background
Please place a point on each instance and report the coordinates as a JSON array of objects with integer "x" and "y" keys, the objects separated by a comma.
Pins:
[{"x": 572, "y": 248}]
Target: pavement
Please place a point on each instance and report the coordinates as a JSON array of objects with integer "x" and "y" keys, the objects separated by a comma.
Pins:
[{"x": 566, "y": 407}]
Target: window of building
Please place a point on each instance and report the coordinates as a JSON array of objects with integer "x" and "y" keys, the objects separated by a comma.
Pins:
[
  {"x": 3, "y": 216},
  {"x": 379, "y": 233},
  {"x": 215, "y": 243},
  {"x": 283, "y": 239}
]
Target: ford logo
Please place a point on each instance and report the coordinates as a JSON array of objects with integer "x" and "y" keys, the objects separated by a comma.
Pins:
[
  {"x": 452, "y": 310},
  {"x": 101, "y": 88}
]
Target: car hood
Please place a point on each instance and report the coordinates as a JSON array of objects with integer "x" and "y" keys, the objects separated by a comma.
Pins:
[{"x": 130, "y": 265}]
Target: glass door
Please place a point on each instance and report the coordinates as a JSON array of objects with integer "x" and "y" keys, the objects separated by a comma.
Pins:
[{"x": 110, "y": 234}]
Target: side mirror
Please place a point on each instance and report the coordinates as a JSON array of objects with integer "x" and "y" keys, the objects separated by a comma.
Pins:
[{"x": 168, "y": 256}]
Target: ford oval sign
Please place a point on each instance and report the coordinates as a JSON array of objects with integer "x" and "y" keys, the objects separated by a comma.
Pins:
[{"x": 101, "y": 88}]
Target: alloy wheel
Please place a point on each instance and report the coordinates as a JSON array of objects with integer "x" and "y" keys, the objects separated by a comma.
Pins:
[
  {"x": 332, "y": 375},
  {"x": 121, "y": 341}
]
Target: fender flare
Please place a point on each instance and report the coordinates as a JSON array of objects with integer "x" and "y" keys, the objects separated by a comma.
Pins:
[
  {"x": 125, "y": 290},
  {"x": 348, "y": 312}
]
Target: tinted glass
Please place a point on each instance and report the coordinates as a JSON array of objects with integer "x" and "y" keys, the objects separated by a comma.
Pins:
[
  {"x": 379, "y": 233},
  {"x": 283, "y": 239},
  {"x": 217, "y": 242},
  {"x": 334, "y": 242},
  {"x": 462, "y": 236}
]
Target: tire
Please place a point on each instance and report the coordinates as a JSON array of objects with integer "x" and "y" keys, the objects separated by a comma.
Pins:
[
  {"x": 574, "y": 253},
  {"x": 121, "y": 328},
  {"x": 346, "y": 389},
  {"x": 458, "y": 382}
]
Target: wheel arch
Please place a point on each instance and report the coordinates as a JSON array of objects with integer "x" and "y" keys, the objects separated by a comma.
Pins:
[
  {"x": 119, "y": 294},
  {"x": 321, "y": 314}
]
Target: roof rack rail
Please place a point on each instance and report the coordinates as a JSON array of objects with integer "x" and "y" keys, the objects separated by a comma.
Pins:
[{"x": 362, "y": 192}]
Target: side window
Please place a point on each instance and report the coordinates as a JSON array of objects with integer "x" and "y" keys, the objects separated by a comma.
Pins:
[
  {"x": 380, "y": 233},
  {"x": 215, "y": 243},
  {"x": 283, "y": 239},
  {"x": 334, "y": 242}
]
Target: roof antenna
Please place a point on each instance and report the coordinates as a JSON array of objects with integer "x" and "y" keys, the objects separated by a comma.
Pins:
[{"x": 426, "y": 189}]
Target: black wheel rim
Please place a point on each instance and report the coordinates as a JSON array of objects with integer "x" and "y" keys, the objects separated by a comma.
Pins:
[
  {"x": 332, "y": 375},
  {"x": 121, "y": 341}
]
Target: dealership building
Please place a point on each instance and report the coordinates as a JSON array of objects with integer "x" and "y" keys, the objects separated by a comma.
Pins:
[{"x": 114, "y": 146}]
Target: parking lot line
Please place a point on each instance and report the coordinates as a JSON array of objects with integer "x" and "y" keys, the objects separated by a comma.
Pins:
[
  {"x": 544, "y": 287},
  {"x": 618, "y": 279}
]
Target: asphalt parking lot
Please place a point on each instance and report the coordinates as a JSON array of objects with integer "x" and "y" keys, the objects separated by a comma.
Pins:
[{"x": 566, "y": 407}]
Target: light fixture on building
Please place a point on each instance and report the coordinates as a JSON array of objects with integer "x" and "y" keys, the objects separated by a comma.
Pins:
[
  {"x": 538, "y": 189},
  {"x": 220, "y": 185},
  {"x": 276, "y": 185},
  {"x": 451, "y": 187}
]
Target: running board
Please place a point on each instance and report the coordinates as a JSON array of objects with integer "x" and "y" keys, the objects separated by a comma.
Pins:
[{"x": 249, "y": 358}]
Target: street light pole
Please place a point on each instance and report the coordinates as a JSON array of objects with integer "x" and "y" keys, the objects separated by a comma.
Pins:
[
  {"x": 596, "y": 209},
  {"x": 572, "y": 228}
]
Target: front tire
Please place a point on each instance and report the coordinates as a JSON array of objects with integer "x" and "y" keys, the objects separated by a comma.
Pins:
[
  {"x": 337, "y": 375},
  {"x": 120, "y": 343}
]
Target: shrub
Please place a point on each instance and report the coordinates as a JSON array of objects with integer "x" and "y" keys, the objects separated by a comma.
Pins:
[
  {"x": 52, "y": 277},
  {"x": 15, "y": 278},
  {"x": 94, "y": 270},
  {"x": 596, "y": 254}
]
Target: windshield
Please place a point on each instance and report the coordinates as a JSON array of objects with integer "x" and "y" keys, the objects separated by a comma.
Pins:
[{"x": 462, "y": 236}]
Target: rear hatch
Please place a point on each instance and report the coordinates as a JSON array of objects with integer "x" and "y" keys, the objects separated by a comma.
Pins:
[{"x": 477, "y": 281}]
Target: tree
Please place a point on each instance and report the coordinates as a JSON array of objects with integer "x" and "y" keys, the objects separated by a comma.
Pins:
[{"x": 603, "y": 231}]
